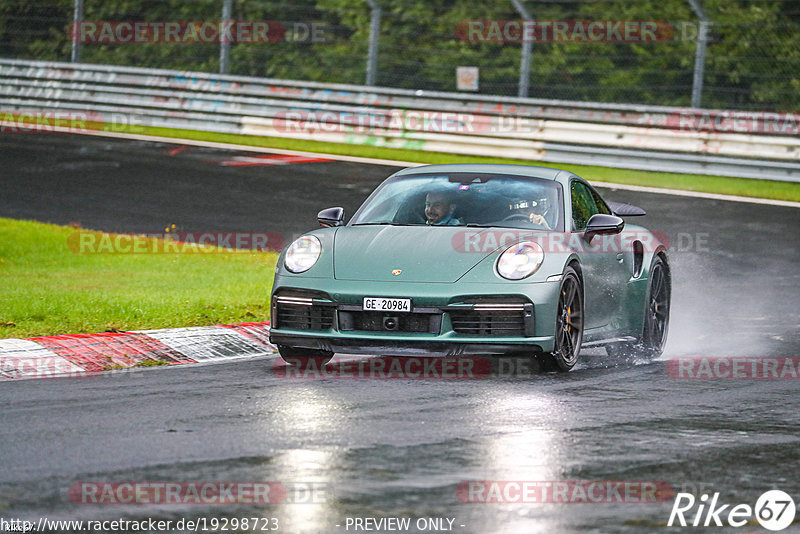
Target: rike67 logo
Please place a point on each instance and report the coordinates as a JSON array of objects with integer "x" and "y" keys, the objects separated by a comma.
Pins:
[{"x": 774, "y": 510}]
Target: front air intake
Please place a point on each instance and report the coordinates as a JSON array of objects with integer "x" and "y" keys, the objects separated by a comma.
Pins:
[
  {"x": 495, "y": 319},
  {"x": 302, "y": 312}
]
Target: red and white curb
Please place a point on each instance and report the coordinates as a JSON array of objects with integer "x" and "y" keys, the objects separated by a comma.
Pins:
[{"x": 78, "y": 355}]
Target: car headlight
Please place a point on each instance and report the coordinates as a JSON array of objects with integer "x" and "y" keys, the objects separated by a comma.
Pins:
[
  {"x": 520, "y": 260},
  {"x": 303, "y": 253}
]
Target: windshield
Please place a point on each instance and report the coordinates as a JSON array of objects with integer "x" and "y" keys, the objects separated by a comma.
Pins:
[{"x": 465, "y": 199}]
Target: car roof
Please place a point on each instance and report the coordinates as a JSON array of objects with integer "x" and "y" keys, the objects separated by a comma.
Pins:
[{"x": 544, "y": 173}]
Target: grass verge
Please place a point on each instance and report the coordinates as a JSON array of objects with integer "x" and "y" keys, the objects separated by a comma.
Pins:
[
  {"x": 47, "y": 289},
  {"x": 690, "y": 182}
]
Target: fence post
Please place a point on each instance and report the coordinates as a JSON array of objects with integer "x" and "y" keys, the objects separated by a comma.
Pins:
[
  {"x": 374, "y": 33},
  {"x": 77, "y": 17},
  {"x": 525, "y": 60},
  {"x": 224, "y": 44},
  {"x": 700, "y": 53}
]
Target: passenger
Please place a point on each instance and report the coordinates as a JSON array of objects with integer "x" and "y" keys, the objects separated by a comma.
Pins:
[{"x": 439, "y": 209}]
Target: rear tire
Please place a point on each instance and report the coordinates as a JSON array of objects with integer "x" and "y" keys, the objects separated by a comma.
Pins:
[
  {"x": 305, "y": 358},
  {"x": 651, "y": 343},
  {"x": 569, "y": 324}
]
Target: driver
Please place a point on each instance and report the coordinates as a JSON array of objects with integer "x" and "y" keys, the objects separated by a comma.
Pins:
[
  {"x": 439, "y": 209},
  {"x": 534, "y": 210}
]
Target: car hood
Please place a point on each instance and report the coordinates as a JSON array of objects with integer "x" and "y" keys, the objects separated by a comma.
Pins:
[{"x": 421, "y": 253}]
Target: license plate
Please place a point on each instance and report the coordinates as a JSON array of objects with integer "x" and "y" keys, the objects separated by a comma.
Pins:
[{"x": 387, "y": 304}]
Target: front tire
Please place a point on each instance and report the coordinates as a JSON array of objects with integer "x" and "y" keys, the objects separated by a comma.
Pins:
[
  {"x": 305, "y": 358},
  {"x": 569, "y": 324}
]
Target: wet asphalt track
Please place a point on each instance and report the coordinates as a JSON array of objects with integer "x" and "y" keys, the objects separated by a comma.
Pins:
[{"x": 401, "y": 447}]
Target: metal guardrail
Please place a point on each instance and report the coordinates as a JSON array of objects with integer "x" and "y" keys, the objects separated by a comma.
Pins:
[{"x": 617, "y": 135}]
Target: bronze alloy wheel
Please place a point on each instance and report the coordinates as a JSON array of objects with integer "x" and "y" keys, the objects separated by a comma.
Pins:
[{"x": 569, "y": 322}]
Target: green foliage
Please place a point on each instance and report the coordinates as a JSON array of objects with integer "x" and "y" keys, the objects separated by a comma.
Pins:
[{"x": 46, "y": 288}]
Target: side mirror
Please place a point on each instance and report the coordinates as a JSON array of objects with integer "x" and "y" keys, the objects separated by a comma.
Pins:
[
  {"x": 331, "y": 217},
  {"x": 600, "y": 223}
]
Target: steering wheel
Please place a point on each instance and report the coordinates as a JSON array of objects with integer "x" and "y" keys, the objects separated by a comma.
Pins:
[{"x": 517, "y": 217}]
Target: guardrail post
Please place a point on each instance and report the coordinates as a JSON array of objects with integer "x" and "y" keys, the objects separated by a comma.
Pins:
[
  {"x": 374, "y": 33},
  {"x": 700, "y": 53},
  {"x": 224, "y": 44},
  {"x": 77, "y": 17},
  {"x": 525, "y": 60}
]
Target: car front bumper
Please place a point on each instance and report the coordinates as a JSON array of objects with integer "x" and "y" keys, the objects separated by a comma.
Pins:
[{"x": 447, "y": 319}]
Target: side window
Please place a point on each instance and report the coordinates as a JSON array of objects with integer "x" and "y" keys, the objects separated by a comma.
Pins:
[
  {"x": 583, "y": 205},
  {"x": 602, "y": 207}
]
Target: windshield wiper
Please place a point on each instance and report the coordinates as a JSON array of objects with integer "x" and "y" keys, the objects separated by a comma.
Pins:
[{"x": 377, "y": 224}]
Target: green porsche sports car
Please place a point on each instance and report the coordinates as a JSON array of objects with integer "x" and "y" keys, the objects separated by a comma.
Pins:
[{"x": 450, "y": 260}]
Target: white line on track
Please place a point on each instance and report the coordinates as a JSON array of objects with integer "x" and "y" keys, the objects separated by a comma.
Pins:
[
  {"x": 393, "y": 163},
  {"x": 697, "y": 194}
]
